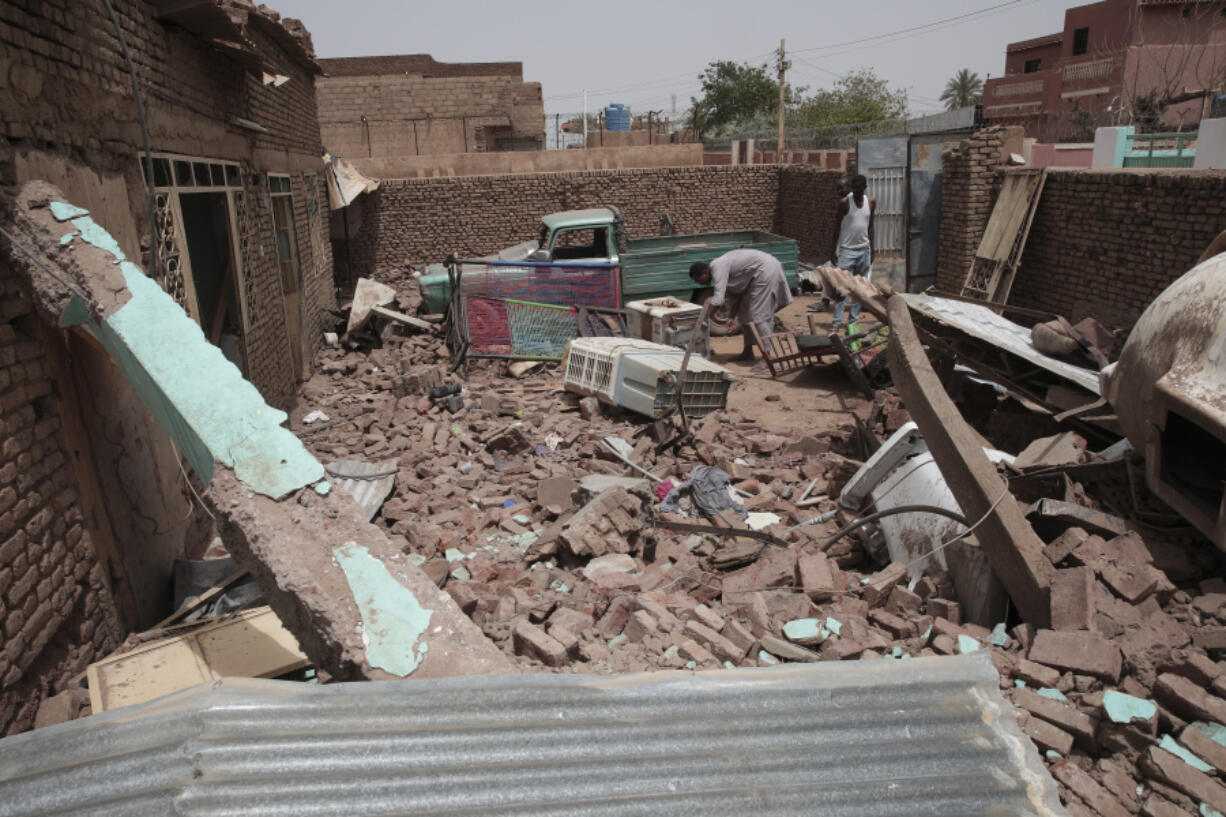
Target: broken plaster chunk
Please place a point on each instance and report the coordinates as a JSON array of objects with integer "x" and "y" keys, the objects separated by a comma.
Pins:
[
  {"x": 805, "y": 631},
  {"x": 1167, "y": 742},
  {"x": 1123, "y": 708}
]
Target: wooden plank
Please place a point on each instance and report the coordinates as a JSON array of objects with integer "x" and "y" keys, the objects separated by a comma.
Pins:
[
  {"x": 1000, "y": 293},
  {"x": 1006, "y": 538},
  {"x": 251, "y": 644},
  {"x": 1004, "y": 238},
  {"x": 400, "y": 317}
]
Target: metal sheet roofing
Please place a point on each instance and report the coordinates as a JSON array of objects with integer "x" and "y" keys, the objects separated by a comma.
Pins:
[
  {"x": 367, "y": 482},
  {"x": 926, "y": 736},
  {"x": 984, "y": 324}
]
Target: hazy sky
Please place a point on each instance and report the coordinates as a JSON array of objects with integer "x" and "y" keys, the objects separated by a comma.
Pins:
[{"x": 642, "y": 53}]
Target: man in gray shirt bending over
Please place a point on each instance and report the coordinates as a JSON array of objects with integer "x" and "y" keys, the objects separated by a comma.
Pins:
[{"x": 757, "y": 278}]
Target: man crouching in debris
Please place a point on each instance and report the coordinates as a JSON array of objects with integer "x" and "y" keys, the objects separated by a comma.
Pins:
[{"x": 757, "y": 279}]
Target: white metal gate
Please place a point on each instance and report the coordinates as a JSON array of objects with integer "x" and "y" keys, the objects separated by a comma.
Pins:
[{"x": 888, "y": 187}]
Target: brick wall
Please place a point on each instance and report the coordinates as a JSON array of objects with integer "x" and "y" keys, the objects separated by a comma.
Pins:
[
  {"x": 55, "y": 608},
  {"x": 1106, "y": 243},
  {"x": 1103, "y": 243},
  {"x": 65, "y": 90},
  {"x": 416, "y": 221},
  {"x": 411, "y": 114},
  {"x": 969, "y": 185},
  {"x": 807, "y": 198}
]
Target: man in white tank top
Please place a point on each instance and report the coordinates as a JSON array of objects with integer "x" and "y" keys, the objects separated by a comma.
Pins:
[{"x": 853, "y": 247}]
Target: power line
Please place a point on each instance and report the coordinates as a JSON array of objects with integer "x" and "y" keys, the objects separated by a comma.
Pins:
[
  {"x": 922, "y": 27},
  {"x": 902, "y": 33}
]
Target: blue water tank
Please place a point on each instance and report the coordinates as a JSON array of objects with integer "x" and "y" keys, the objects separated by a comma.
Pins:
[{"x": 616, "y": 117}]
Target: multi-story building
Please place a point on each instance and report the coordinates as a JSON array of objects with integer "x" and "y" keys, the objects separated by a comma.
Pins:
[
  {"x": 1148, "y": 62},
  {"x": 413, "y": 105}
]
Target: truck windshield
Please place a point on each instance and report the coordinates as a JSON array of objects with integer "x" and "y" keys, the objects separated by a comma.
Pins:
[{"x": 581, "y": 243}]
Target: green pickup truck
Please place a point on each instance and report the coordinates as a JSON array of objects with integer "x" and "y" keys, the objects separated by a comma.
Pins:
[{"x": 650, "y": 267}]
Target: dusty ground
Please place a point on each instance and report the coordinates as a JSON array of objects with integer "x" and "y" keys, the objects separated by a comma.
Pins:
[{"x": 812, "y": 401}]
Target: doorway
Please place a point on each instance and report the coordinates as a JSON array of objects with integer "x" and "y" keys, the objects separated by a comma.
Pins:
[
  {"x": 206, "y": 230},
  {"x": 291, "y": 272}
]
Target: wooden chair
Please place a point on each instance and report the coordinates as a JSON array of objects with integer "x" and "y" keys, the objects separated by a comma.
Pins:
[{"x": 783, "y": 355}]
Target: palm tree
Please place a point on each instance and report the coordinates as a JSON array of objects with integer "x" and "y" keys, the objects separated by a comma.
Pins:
[{"x": 963, "y": 89}]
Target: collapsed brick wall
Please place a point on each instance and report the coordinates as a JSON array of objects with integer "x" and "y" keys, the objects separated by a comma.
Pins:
[
  {"x": 66, "y": 92},
  {"x": 55, "y": 606},
  {"x": 1106, "y": 243},
  {"x": 969, "y": 184},
  {"x": 807, "y": 198},
  {"x": 417, "y": 221}
]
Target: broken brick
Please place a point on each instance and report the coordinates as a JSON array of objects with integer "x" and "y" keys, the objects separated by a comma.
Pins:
[
  {"x": 1058, "y": 713},
  {"x": 721, "y": 647},
  {"x": 1188, "y": 700},
  {"x": 882, "y": 582},
  {"x": 532, "y": 641},
  {"x": 951, "y": 611},
  {"x": 1161, "y": 765},
  {"x": 1093, "y": 795},
  {"x": 1082, "y": 652},
  {"x": 1048, "y": 736},
  {"x": 1072, "y": 599},
  {"x": 817, "y": 576}
]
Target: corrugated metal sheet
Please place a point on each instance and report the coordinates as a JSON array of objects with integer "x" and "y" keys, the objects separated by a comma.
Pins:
[
  {"x": 986, "y": 325},
  {"x": 367, "y": 482},
  {"x": 929, "y": 736}
]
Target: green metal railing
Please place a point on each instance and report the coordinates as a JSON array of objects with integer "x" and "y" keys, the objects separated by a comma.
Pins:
[{"x": 1159, "y": 150}]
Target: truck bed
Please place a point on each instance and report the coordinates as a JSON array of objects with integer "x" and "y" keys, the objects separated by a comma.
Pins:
[{"x": 659, "y": 266}]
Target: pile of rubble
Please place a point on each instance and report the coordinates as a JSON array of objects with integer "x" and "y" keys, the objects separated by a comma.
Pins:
[{"x": 540, "y": 516}]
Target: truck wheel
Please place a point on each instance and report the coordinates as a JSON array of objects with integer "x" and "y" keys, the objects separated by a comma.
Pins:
[{"x": 723, "y": 319}]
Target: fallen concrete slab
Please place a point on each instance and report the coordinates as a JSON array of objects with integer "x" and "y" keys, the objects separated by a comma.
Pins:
[
  {"x": 356, "y": 603},
  {"x": 1011, "y": 545}
]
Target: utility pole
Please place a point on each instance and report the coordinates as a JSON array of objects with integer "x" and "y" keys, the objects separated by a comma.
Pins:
[
  {"x": 783, "y": 67},
  {"x": 585, "y": 118}
]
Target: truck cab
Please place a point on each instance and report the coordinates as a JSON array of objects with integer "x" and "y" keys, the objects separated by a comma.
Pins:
[{"x": 589, "y": 236}]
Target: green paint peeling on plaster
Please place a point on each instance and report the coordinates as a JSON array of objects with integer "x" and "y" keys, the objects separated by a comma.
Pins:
[
  {"x": 199, "y": 397},
  {"x": 63, "y": 211},
  {"x": 1167, "y": 742},
  {"x": 393, "y": 619}
]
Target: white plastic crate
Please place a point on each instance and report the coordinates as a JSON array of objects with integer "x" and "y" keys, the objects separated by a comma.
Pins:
[
  {"x": 668, "y": 321},
  {"x": 590, "y": 364},
  {"x": 644, "y": 383}
]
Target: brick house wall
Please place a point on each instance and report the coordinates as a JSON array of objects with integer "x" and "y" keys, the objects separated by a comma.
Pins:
[
  {"x": 67, "y": 115},
  {"x": 419, "y": 221},
  {"x": 969, "y": 185},
  {"x": 412, "y": 105},
  {"x": 55, "y": 606},
  {"x": 1106, "y": 243},
  {"x": 67, "y": 93},
  {"x": 807, "y": 198}
]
